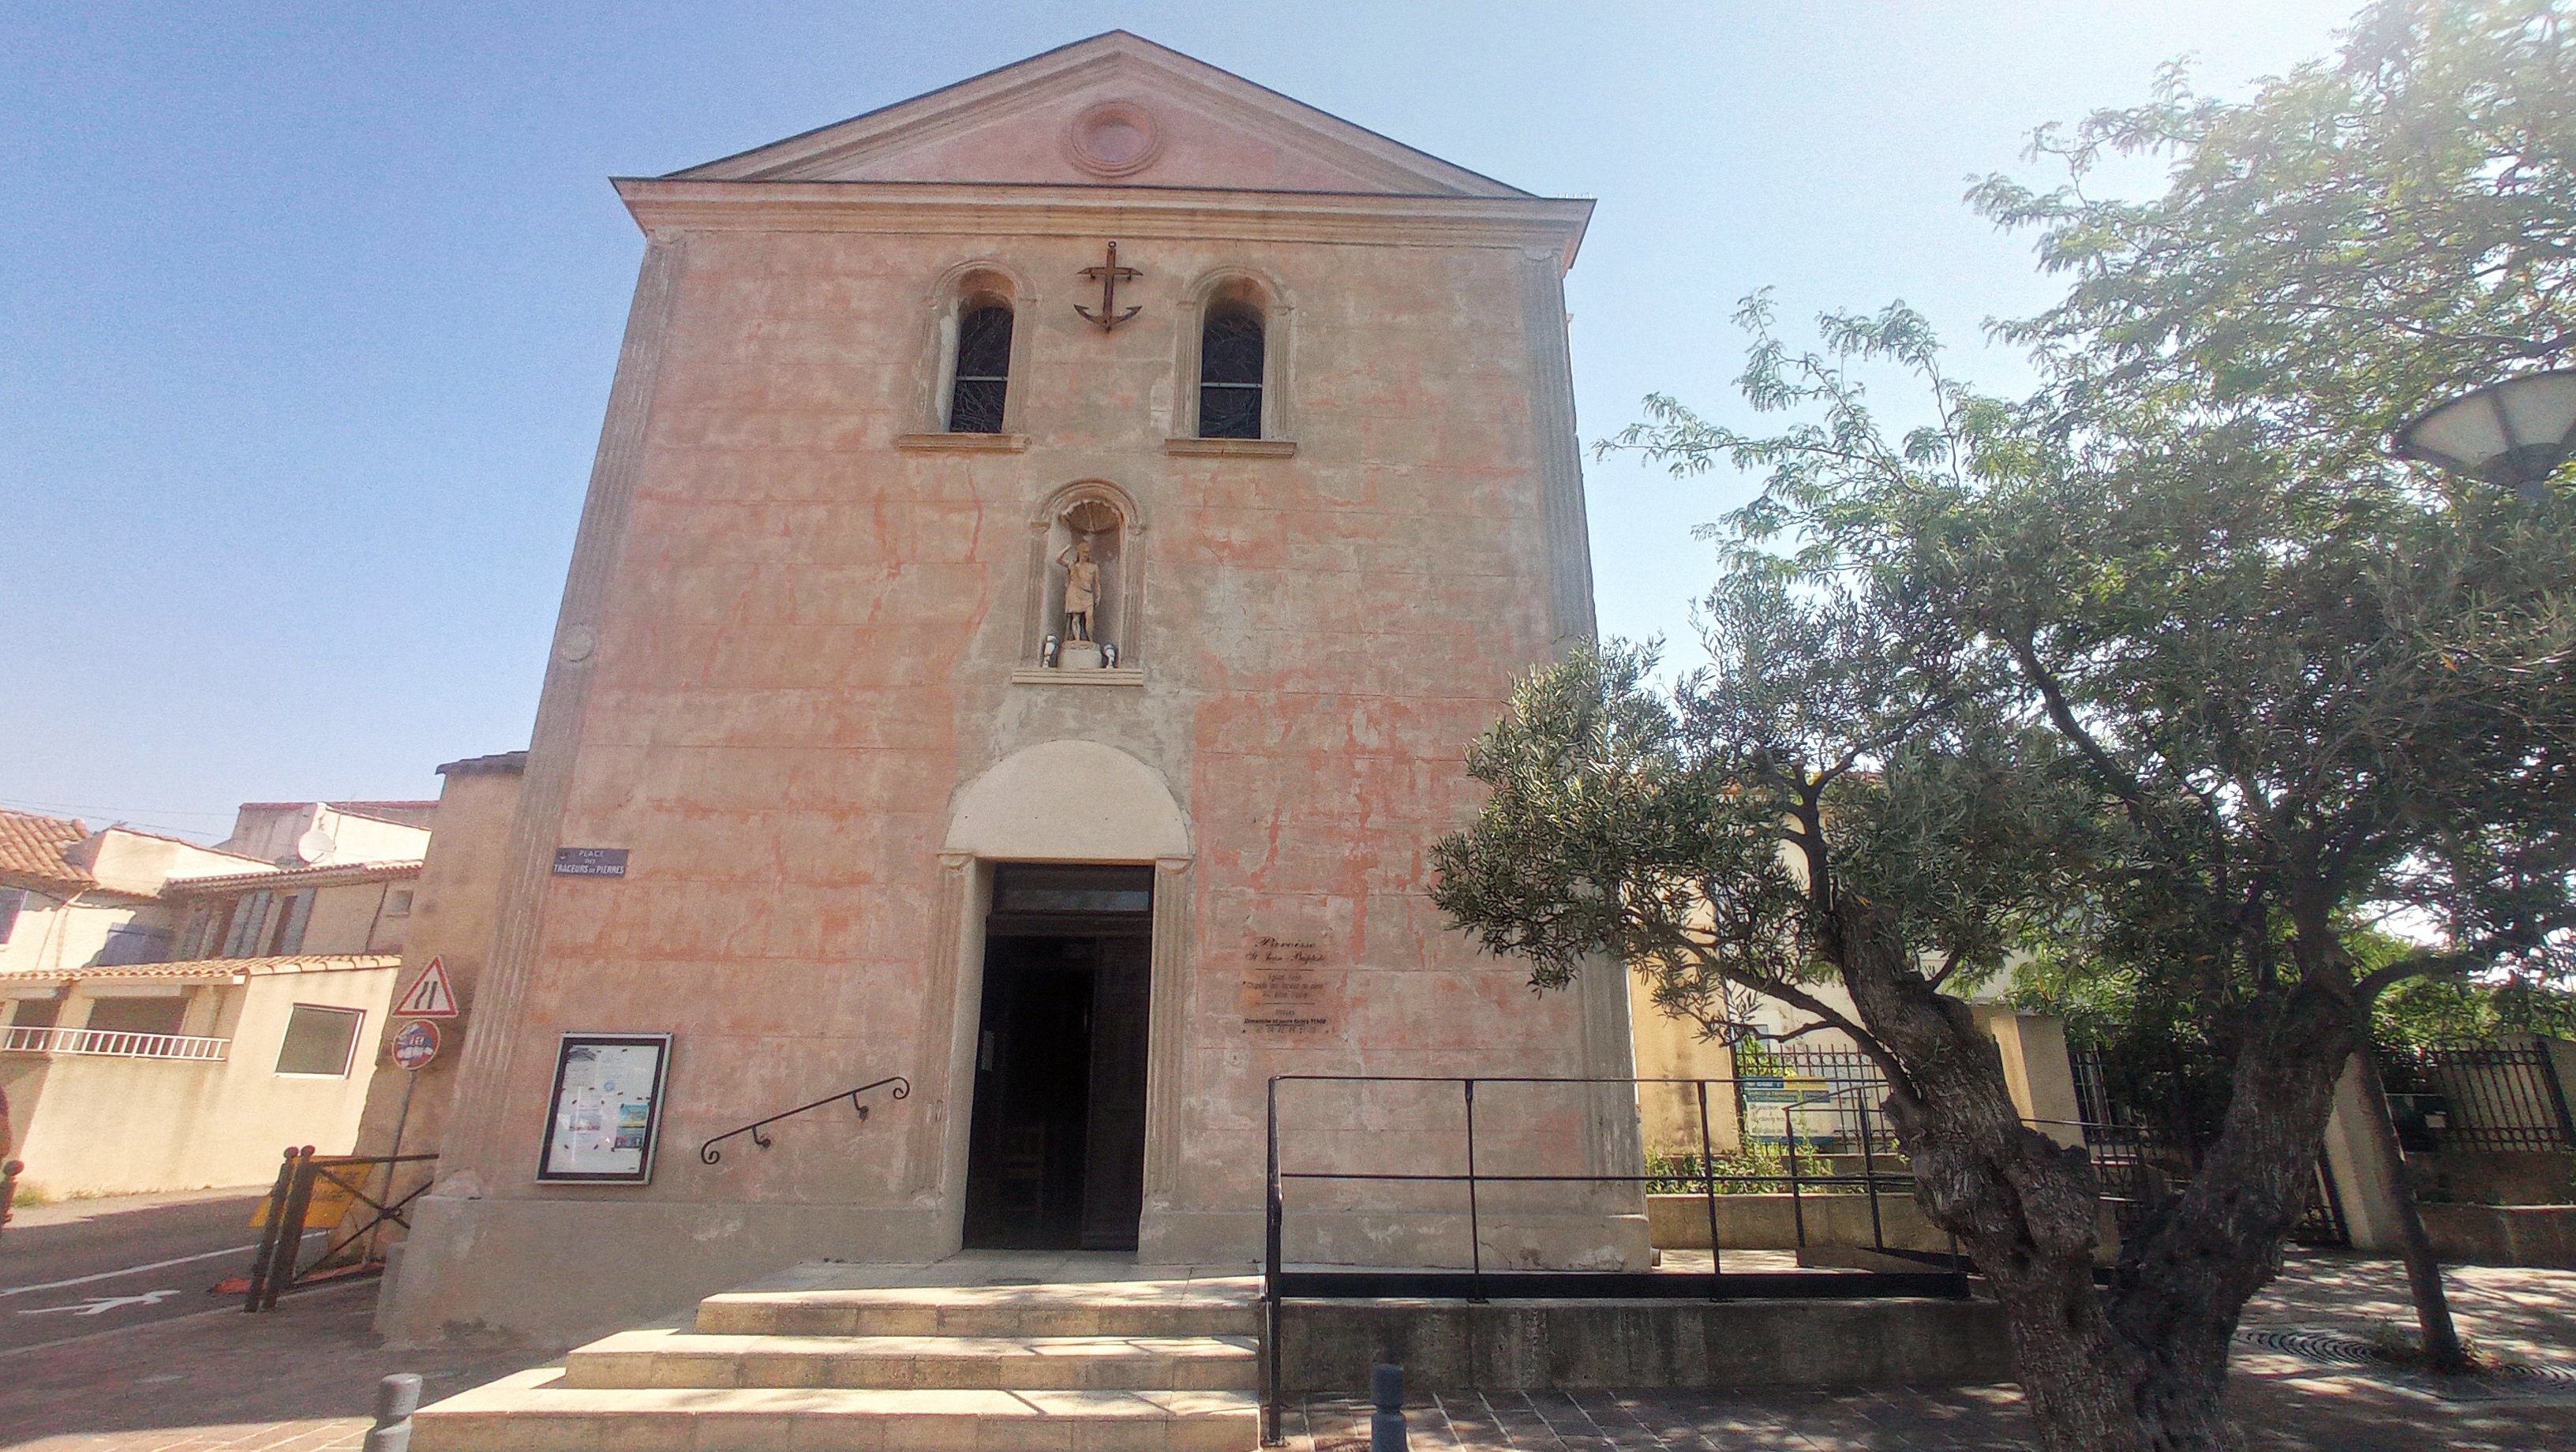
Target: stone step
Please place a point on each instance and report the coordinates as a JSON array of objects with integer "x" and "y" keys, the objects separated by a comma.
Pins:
[
  {"x": 664, "y": 1358},
  {"x": 1096, "y": 1308},
  {"x": 534, "y": 1412}
]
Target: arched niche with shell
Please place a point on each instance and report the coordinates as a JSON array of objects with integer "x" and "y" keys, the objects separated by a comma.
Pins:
[{"x": 1095, "y": 518}]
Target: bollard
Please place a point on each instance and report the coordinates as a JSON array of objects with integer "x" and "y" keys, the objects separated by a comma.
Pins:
[
  {"x": 397, "y": 1397},
  {"x": 1386, "y": 1425}
]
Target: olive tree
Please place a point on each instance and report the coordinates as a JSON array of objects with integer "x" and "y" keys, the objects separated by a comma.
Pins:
[{"x": 2167, "y": 671}]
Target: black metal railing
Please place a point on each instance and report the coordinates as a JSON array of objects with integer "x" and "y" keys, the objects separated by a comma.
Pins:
[
  {"x": 1802, "y": 1171},
  {"x": 2497, "y": 1097},
  {"x": 333, "y": 1184},
  {"x": 709, "y": 1154}
]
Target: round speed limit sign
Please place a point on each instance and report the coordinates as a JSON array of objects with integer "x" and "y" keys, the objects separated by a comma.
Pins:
[{"x": 416, "y": 1043}]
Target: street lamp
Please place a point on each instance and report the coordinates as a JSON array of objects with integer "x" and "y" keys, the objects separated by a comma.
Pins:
[{"x": 2512, "y": 434}]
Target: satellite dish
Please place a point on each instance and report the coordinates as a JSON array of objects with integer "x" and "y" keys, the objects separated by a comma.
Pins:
[{"x": 314, "y": 845}]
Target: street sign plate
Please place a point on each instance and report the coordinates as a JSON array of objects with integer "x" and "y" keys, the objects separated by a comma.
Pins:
[
  {"x": 416, "y": 1043},
  {"x": 590, "y": 862}
]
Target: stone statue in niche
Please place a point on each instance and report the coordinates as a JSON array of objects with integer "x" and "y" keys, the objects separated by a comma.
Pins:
[
  {"x": 1086, "y": 599},
  {"x": 1081, "y": 589}
]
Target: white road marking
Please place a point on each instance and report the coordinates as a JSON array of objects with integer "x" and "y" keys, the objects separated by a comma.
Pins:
[
  {"x": 136, "y": 1270},
  {"x": 101, "y": 1305},
  {"x": 327, "y": 1288}
]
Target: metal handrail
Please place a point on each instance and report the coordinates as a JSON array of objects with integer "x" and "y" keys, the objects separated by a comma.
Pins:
[
  {"x": 1950, "y": 1281},
  {"x": 112, "y": 1043},
  {"x": 709, "y": 1154}
]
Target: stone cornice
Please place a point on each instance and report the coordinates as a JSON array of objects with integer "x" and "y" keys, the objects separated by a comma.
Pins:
[
  {"x": 668, "y": 204},
  {"x": 1124, "y": 63}
]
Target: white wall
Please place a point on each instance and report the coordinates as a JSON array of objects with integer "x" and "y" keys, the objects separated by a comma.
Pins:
[
  {"x": 52, "y": 938},
  {"x": 103, "y": 1126}
]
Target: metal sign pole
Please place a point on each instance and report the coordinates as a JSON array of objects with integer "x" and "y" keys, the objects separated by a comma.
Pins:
[{"x": 393, "y": 1157}]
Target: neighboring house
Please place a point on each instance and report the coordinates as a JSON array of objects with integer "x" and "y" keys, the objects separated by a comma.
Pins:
[
  {"x": 71, "y": 898},
  {"x": 175, "y": 1014}
]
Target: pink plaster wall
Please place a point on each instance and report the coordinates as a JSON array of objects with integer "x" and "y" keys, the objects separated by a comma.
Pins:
[
  {"x": 808, "y": 645},
  {"x": 1200, "y": 149}
]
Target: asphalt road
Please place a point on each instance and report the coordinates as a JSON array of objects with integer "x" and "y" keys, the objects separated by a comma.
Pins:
[{"x": 101, "y": 1265}]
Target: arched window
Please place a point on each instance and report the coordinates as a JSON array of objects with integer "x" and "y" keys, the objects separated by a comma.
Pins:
[
  {"x": 1230, "y": 364},
  {"x": 983, "y": 369}
]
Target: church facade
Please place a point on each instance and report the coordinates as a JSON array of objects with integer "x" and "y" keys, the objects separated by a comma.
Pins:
[{"x": 1050, "y": 544}]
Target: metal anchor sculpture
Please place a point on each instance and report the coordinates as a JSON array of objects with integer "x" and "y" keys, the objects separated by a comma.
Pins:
[{"x": 1108, "y": 277}]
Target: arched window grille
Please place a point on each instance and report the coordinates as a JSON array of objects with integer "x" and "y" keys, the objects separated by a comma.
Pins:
[
  {"x": 983, "y": 370},
  {"x": 1230, "y": 363}
]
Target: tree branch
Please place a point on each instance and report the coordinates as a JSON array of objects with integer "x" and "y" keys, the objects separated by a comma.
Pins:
[
  {"x": 1796, "y": 997},
  {"x": 2414, "y": 965},
  {"x": 2052, "y": 695}
]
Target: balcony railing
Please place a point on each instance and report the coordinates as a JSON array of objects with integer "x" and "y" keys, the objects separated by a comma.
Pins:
[{"x": 112, "y": 1043}]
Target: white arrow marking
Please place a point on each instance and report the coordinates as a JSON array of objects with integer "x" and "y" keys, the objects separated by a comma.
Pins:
[{"x": 101, "y": 1305}]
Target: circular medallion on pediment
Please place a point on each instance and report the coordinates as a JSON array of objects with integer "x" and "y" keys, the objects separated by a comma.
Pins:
[{"x": 1114, "y": 138}]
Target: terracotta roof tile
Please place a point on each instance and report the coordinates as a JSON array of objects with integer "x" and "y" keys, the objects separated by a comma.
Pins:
[
  {"x": 326, "y": 874},
  {"x": 203, "y": 968},
  {"x": 31, "y": 849}
]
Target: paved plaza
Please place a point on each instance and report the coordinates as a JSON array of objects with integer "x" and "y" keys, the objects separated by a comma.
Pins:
[{"x": 304, "y": 1377}]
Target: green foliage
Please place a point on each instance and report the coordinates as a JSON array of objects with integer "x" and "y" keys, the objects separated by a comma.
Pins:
[
  {"x": 2168, "y": 676},
  {"x": 1757, "y": 1060},
  {"x": 2450, "y": 1011},
  {"x": 1754, "y": 1166},
  {"x": 2362, "y": 235}
]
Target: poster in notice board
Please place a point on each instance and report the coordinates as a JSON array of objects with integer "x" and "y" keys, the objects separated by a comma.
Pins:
[{"x": 606, "y": 1110}]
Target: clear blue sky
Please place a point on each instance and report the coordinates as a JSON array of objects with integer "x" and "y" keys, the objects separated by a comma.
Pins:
[{"x": 307, "y": 313}]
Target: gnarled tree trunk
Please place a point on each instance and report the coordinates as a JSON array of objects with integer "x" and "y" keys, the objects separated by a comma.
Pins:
[{"x": 2142, "y": 1366}]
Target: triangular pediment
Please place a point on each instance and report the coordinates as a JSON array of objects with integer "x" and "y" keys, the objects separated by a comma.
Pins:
[{"x": 1114, "y": 110}]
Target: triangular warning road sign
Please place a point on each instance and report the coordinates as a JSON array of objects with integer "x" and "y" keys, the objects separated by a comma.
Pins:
[{"x": 430, "y": 995}]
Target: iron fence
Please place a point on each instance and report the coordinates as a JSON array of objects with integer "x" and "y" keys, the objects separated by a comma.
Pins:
[
  {"x": 2092, "y": 1088},
  {"x": 2496, "y": 1097},
  {"x": 1841, "y": 1119}
]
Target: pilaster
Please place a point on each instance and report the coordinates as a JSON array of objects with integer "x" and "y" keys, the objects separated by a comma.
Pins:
[
  {"x": 479, "y": 1142},
  {"x": 1558, "y": 451},
  {"x": 1167, "y": 1030}
]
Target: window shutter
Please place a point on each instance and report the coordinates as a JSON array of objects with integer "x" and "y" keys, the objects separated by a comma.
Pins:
[
  {"x": 290, "y": 924},
  {"x": 250, "y": 914}
]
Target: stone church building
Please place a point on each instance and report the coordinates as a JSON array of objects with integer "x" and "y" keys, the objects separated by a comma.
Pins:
[{"x": 1050, "y": 544}]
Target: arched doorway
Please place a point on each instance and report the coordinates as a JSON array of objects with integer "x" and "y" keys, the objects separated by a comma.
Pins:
[{"x": 1060, "y": 1078}]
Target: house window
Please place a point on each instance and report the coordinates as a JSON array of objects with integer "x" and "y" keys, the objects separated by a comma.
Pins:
[
  {"x": 983, "y": 375},
  {"x": 398, "y": 904},
  {"x": 11, "y": 900},
  {"x": 36, "y": 1013},
  {"x": 162, "y": 1014},
  {"x": 318, "y": 1040},
  {"x": 130, "y": 943},
  {"x": 1230, "y": 364}
]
